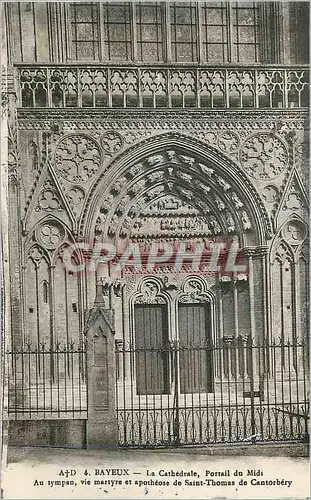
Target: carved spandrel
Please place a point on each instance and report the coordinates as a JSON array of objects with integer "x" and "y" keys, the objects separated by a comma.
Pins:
[
  {"x": 77, "y": 158},
  {"x": 264, "y": 156}
]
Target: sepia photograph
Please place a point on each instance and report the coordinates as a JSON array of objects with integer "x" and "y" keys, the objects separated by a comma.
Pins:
[{"x": 154, "y": 259}]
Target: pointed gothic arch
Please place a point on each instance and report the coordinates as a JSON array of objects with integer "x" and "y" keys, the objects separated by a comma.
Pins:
[
  {"x": 288, "y": 280},
  {"x": 174, "y": 164}
]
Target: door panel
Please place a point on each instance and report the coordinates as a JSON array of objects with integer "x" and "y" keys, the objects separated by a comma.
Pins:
[
  {"x": 195, "y": 358},
  {"x": 151, "y": 347}
]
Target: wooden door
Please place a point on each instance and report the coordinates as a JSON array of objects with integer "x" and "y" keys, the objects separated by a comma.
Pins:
[
  {"x": 151, "y": 349},
  {"x": 195, "y": 356}
]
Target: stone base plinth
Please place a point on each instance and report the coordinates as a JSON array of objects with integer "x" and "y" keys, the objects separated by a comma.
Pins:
[{"x": 102, "y": 431}]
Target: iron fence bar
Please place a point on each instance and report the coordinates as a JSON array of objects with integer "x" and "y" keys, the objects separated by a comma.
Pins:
[
  {"x": 193, "y": 353},
  {"x": 32, "y": 393},
  {"x": 282, "y": 348},
  {"x": 23, "y": 387},
  {"x": 38, "y": 369},
  {"x": 304, "y": 364},
  {"x": 250, "y": 353},
  {"x": 51, "y": 379},
  {"x": 183, "y": 411},
  {"x": 275, "y": 389},
  {"x": 268, "y": 376},
  {"x": 236, "y": 346},
  {"x": 43, "y": 375},
  {"x": 57, "y": 377},
  {"x": 203, "y": 380},
  {"x": 176, "y": 396},
  {"x": 230, "y": 370},
  {"x": 261, "y": 408},
  {"x": 289, "y": 387},
  {"x": 214, "y": 373},
  {"x": 132, "y": 382}
]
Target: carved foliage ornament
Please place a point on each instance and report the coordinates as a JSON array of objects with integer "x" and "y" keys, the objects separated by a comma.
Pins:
[
  {"x": 77, "y": 158},
  {"x": 264, "y": 156}
]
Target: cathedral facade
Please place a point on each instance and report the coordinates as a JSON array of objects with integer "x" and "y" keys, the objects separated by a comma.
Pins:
[{"x": 178, "y": 131}]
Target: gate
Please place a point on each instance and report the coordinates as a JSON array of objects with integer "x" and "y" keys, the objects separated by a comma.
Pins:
[{"x": 229, "y": 392}]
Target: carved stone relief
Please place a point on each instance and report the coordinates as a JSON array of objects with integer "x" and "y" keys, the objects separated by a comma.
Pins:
[
  {"x": 169, "y": 205},
  {"x": 50, "y": 234},
  {"x": 76, "y": 196},
  {"x": 36, "y": 254},
  {"x": 294, "y": 232},
  {"x": 77, "y": 158},
  {"x": 228, "y": 142},
  {"x": 149, "y": 293},
  {"x": 193, "y": 291},
  {"x": 270, "y": 194},
  {"x": 293, "y": 199},
  {"x": 173, "y": 208},
  {"x": 112, "y": 142},
  {"x": 48, "y": 200},
  {"x": 264, "y": 156}
]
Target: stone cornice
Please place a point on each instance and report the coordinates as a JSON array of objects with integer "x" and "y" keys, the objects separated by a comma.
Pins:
[{"x": 86, "y": 114}]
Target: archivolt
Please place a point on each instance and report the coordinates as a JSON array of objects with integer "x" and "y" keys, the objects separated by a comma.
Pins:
[{"x": 173, "y": 163}]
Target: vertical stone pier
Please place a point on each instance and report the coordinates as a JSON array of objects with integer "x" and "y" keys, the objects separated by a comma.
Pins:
[{"x": 102, "y": 421}]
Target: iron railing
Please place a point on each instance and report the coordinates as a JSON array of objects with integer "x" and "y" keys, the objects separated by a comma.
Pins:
[
  {"x": 230, "y": 391},
  {"x": 104, "y": 86},
  {"x": 47, "y": 381},
  {"x": 225, "y": 392}
]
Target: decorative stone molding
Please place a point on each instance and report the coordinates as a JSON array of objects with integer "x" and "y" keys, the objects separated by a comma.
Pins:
[
  {"x": 194, "y": 290},
  {"x": 77, "y": 158},
  {"x": 294, "y": 232},
  {"x": 177, "y": 119},
  {"x": 270, "y": 193},
  {"x": 48, "y": 200},
  {"x": 150, "y": 290},
  {"x": 293, "y": 198},
  {"x": 76, "y": 197},
  {"x": 36, "y": 254},
  {"x": 114, "y": 284},
  {"x": 264, "y": 156},
  {"x": 50, "y": 234},
  {"x": 177, "y": 86},
  {"x": 179, "y": 174},
  {"x": 228, "y": 142},
  {"x": 111, "y": 142},
  {"x": 149, "y": 294}
]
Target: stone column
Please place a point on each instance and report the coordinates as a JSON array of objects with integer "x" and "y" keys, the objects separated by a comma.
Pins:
[{"x": 102, "y": 422}]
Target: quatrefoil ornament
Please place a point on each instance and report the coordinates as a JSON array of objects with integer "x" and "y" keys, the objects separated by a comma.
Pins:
[{"x": 50, "y": 234}]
